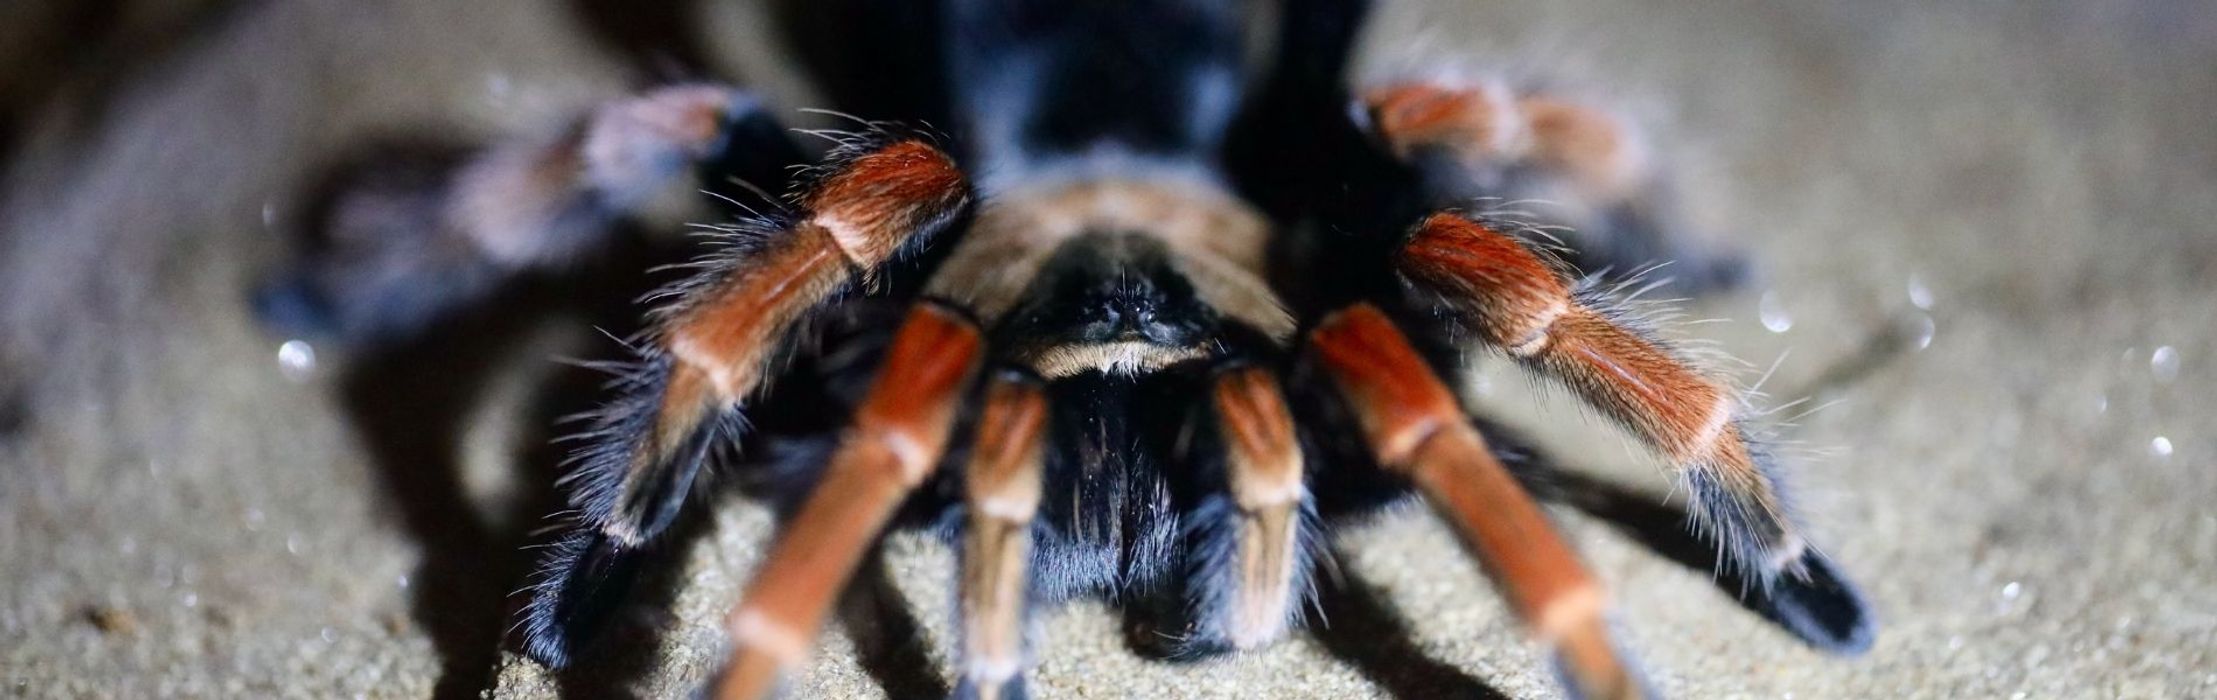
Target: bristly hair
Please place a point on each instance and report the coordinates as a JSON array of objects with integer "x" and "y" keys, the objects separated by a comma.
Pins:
[
  {"x": 848, "y": 145},
  {"x": 1740, "y": 522},
  {"x": 854, "y": 144},
  {"x": 617, "y": 434},
  {"x": 726, "y": 249},
  {"x": 582, "y": 577},
  {"x": 1752, "y": 526},
  {"x": 1212, "y": 536}
]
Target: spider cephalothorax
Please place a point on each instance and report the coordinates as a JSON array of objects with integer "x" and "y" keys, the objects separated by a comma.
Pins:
[{"x": 1159, "y": 326}]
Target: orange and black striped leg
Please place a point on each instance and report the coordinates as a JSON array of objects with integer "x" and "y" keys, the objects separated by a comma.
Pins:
[
  {"x": 897, "y": 438},
  {"x": 397, "y": 243},
  {"x": 714, "y": 344},
  {"x": 717, "y": 336},
  {"x": 1002, "y": 492},
  {"x": 1415, "y": 427},
  {"x": 1510, "y": 298},
  {"x": 1482, "y": 140}
]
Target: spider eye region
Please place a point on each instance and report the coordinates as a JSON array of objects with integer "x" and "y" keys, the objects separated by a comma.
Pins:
[{"x": 1111, "y": 302}]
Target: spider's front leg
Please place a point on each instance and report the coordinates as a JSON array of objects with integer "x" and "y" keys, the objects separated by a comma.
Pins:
[
  {"x": 1512, "y": 299},
  {"x": 897, "y": 437},
  {"x": 715, "y": 344},
  {"x": 1415, "y": 427}
]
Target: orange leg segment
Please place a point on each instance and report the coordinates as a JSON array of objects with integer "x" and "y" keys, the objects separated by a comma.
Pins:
[
  {"x": 1264, "y": 470},
  {"x": 897, "y": 438},
  {"x": 719, "y": 337},
  {"x": 1264, "y": 466},
  {"x": 1002, "y": 492},
  {"x": 1485, "y": 125},
  {"x": 1516, "y": 302},
  {"x": 1416, "y": 428}
]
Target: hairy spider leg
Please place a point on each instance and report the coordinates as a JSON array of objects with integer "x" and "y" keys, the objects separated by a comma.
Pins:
[
  {"x": 1822, "y": 607},
  {"x": 1002, "y": 494},
  {"x": 1513, "y": 300},
  {"x": 1481, "y": 139},
  {"x": 400, "y": 244},
  {"x": 896, "y": 441},
  {"x": 1416, "y": 428},
  {"x": 716, "y": 338}
]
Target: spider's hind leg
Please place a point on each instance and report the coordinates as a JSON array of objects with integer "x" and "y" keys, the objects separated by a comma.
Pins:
[
  {"x": 395, "y": 244},
  {"x": 1482, "y": 139}
]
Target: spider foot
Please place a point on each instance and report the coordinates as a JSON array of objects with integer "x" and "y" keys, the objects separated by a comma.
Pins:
[
  {"x": 582, "y": 577},
  {"x": 1819, "y": 605}
]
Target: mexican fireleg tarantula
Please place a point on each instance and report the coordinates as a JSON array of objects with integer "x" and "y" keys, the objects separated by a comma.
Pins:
[{"x": 1165, "y": 320}]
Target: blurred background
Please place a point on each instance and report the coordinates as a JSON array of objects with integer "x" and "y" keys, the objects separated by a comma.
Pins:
[{"x": 1984, "y": 228}]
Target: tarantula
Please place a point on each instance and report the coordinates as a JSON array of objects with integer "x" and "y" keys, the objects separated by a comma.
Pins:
[{"x": 1143, "y": 323}]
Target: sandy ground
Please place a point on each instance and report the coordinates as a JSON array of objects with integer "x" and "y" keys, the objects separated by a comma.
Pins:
[{"x": 1985, "y": 229}]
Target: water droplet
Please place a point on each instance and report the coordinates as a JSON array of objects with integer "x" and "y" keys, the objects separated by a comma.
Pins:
[
  {"x": 2019, "y": 695},
  {"x": 269, "y": 214},
  {"x": 254, "y": 519},
  {"x": 1921, "y": 330},
  {"x": 296, "y": 359},
  {"x": 328, "y": 634},
  {"x": 2160, "y": 446},
  {"x": 2012, "y": 590},
  {"x": 2164, "y": 362},
  {"x": 1955, "y": 643},
  {"x": 1919, "y": 295},
  {"x": 1773, "y": 313},
  {"x": 403, "y": 581},
  {"x": 497, "y": 84},
  {"x": 189, "y": 599},
  {"x": 292, "y": 544},
  {"x": 2101, "y": 404}
]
